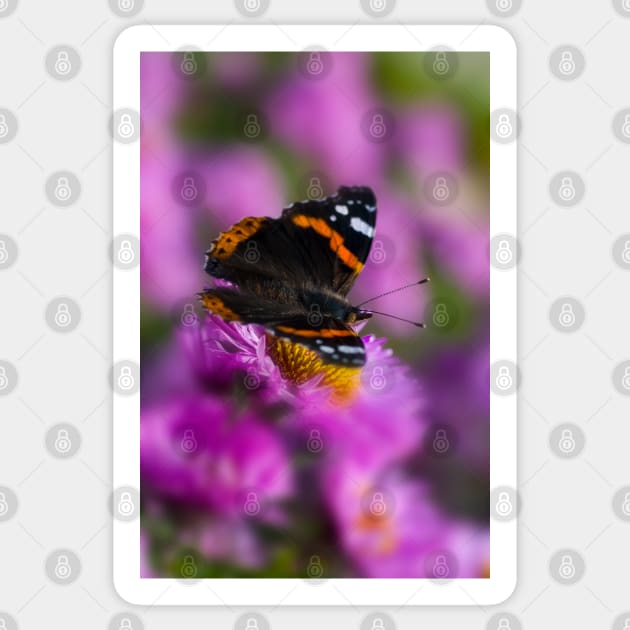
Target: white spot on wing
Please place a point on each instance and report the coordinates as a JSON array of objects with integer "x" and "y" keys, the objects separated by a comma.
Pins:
[
  {"x": 359, "y": 225},
  {"x": 326, "y": 349},
  {"x": 341, "y": 209},
  {"x": 333, "y": 217},
  {"x": 351, "y": 349}
]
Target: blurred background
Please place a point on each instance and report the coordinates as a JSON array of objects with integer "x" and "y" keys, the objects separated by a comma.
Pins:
[{"x": 241, "y": 481}]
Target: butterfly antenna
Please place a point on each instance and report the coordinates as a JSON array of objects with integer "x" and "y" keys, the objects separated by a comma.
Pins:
[
  {"x": 407, "y": 286},
  {"x": 402, "y": 319}
]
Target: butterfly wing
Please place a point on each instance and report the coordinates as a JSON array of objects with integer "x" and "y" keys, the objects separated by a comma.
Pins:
[
  {"x": 331, "y": 339},
  {"x": 314, "y": 243},
  {"x": 337, "y": 232}
]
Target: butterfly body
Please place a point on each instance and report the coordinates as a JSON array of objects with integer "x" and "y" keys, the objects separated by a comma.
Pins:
[{"x": 292, "y": 274}]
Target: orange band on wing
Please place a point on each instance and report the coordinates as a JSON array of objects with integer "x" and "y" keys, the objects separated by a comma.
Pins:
[
  {"x": 217, "y": 306},
  {"x": 328, "y": 333},
  {"x": 335, "y": 239},
  {"x": 224, "y": 246}
]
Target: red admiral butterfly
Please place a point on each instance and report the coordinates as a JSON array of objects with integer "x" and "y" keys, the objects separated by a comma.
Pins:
[{"x": 292, "y": 274}]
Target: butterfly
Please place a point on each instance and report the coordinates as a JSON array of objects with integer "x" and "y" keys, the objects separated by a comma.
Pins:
[{"x": 292, "y": 274}]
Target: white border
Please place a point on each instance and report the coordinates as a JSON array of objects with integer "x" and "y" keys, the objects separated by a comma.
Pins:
[{"x": 287, "y": 592}]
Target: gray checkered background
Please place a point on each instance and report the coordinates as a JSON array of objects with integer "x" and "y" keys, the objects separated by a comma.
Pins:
[{"x": 574, "y": 273}]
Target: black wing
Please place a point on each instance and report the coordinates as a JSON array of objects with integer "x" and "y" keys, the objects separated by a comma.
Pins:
[
  {"x": 331, "y": 339},
  {"x": 315, "y": 243}
]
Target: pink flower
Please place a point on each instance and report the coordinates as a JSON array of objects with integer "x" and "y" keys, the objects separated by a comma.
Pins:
[
  {"x": 391, "y": 527},
  {"x": 205, "y": 452},
  {"x": 240, "y": 181},
  {"x": 320, "y": 119}
]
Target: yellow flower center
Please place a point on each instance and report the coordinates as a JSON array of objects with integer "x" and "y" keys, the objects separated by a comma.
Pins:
[{"x": 299, "y": 364}]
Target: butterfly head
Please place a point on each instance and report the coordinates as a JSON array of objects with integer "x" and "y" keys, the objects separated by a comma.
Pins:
[{"x": 355, "y": 315}]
